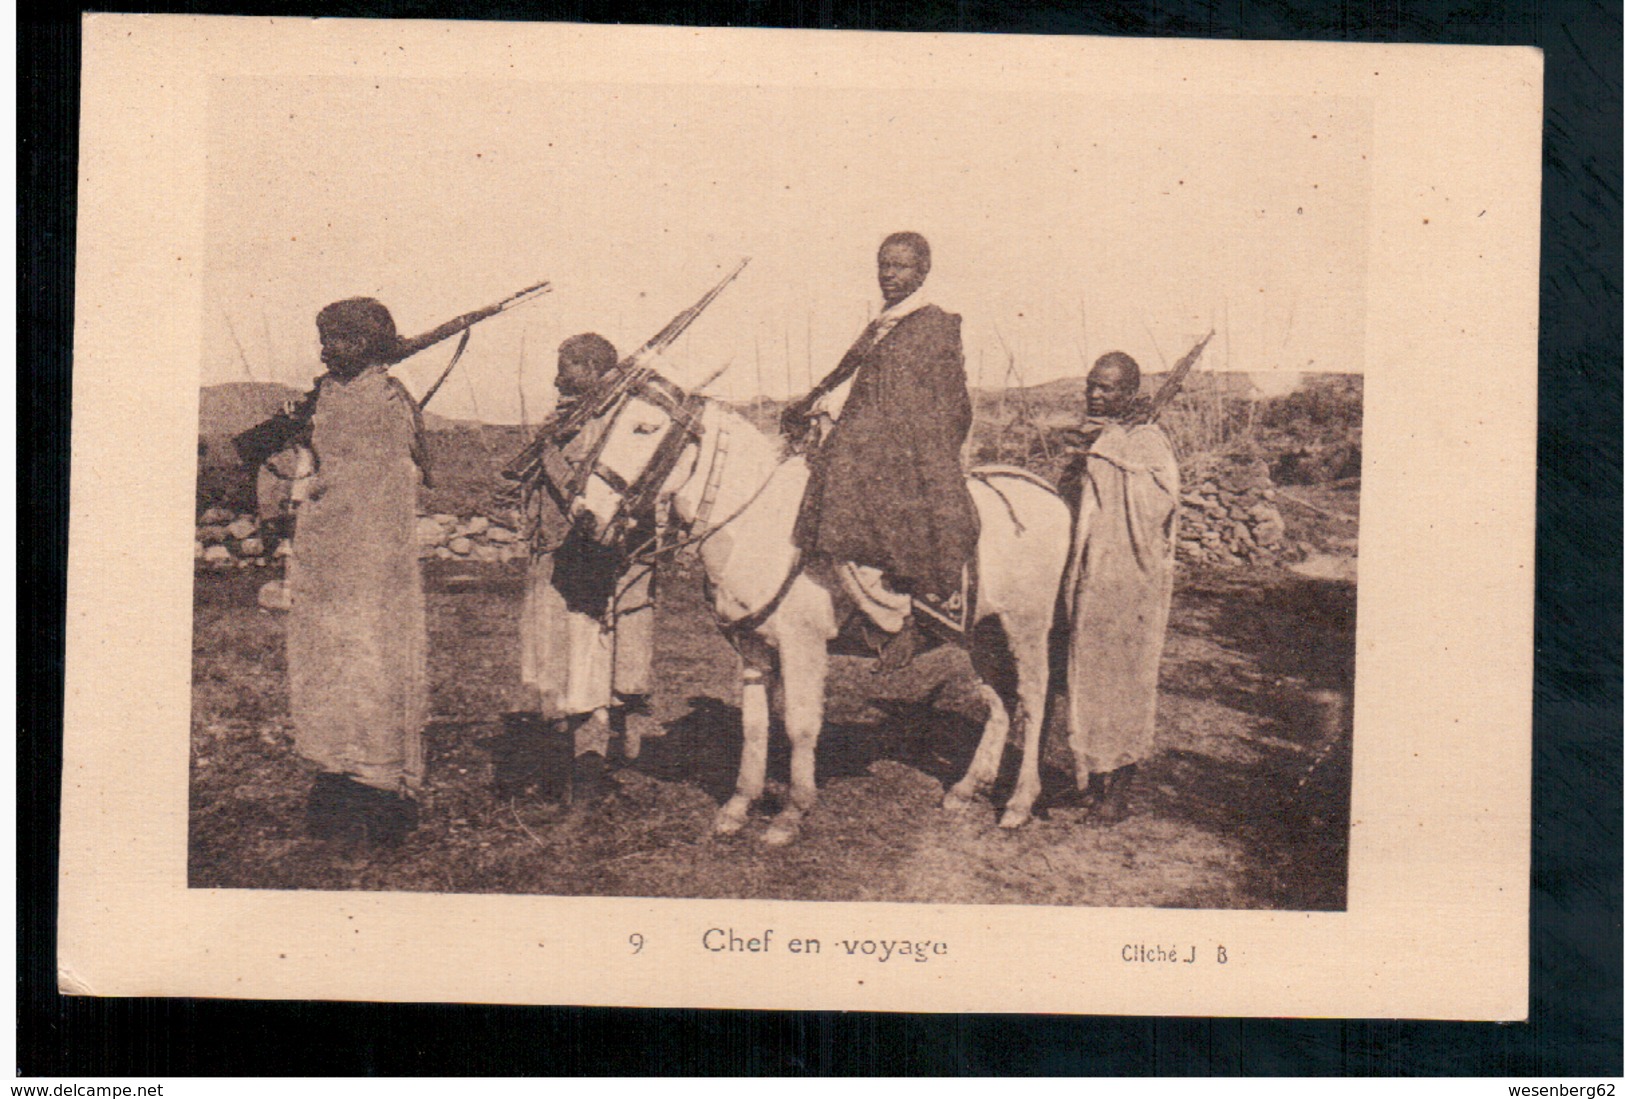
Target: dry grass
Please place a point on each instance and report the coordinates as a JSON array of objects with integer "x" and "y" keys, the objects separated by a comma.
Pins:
[
  {"x": 1205, "y": 421},
  {"x": 1229, "y": 815}
]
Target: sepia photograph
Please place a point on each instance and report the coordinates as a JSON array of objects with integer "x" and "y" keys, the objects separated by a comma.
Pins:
[
  {"x": 911, "y": 511},
  {"x": 949, "y": 505}
]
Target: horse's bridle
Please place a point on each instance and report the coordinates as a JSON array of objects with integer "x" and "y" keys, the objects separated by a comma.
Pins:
[
  {"x": 686, "y": 426},
  {"x": 638, "y": 497}
]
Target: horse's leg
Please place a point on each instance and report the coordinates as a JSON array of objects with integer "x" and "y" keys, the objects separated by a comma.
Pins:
[
  {"x": 1029, "y": 647},
  {"x": 984, "y": 765},
  {"x": 803, "y": 668},
  {"x": 753, "y": 714}
]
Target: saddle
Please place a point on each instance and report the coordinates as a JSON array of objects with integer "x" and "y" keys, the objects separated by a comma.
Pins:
[{"x": 944, "y": 619}]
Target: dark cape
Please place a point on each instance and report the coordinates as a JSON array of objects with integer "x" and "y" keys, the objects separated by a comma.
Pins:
[{"x": 887, "y": 489}]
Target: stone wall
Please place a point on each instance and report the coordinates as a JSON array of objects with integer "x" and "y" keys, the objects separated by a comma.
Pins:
[
  {"x": 1227, "y": 517},
  {"x": 227, "y": 539},
  {"x": 474, "y": 538},
  {"x": 1227, "y": 514}
]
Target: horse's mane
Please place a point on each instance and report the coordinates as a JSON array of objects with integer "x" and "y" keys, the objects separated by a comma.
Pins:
[{"x": 737, "y": 422}]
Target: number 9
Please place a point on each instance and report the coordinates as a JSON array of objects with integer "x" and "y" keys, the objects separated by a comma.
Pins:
[{"x": 636, "y": 939}]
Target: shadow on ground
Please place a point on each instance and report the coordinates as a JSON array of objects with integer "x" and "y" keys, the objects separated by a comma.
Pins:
[{"x": 1245, "y": 805}]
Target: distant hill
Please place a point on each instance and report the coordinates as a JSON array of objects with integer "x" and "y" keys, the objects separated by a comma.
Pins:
[
  {"x": 1309, "y": 436},
  {"x": 1233, "y": 383},
  {"x": 226, "y": 409}
]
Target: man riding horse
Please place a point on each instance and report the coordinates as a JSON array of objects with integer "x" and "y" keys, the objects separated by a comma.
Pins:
[
  {"x": 887, "y": 497},
  {"x": 887, "y": 493}
]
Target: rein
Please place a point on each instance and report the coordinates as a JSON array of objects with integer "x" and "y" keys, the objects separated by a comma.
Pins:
[
  {"x": 639, "y": 496},
  {"x": 701, "y": 528}
]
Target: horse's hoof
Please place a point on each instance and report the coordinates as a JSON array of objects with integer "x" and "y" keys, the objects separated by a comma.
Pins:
[
  {"x": 781, "y": 835},
  {"x": 957, "y": 801},
  {"x": 1015, "y": 818},
  {"x": 729, "y": 821}
]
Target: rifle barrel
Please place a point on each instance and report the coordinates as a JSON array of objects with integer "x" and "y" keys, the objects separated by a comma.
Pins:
[
  {"x": 626, "y": 373},
  {"x": 264, "y": 439},
  {"x": 1176, "y": 378},
  {"x": 679, "y": 324},
  {"x": 414, "y": 344}
]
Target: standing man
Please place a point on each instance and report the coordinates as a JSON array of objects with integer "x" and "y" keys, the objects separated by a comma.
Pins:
[
  {"x": 357, "y": 631},
  {"x": 1119, "y": 586},
  {"x": 887, "y": 495},
  {"x": 587, "y": 626}
]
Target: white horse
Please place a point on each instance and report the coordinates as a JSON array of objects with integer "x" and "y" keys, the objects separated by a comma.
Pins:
[{"x": 729, "y": 487}]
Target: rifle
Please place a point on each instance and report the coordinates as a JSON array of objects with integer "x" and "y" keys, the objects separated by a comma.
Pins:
[
  {"x": 1175, "y": 382},
  {"x": 412, "y": 346},
  {"x": 541, "y": 459},
  {"x": 292, "y": 423}
]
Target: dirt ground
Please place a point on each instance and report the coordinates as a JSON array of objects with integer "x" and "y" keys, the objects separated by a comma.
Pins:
[{"x": 1244, "y": 806}]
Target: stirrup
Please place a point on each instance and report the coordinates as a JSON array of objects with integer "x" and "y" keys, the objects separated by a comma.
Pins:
[
  {"x": 898, "y": 651},
  {"x": 948, "y": 618}
]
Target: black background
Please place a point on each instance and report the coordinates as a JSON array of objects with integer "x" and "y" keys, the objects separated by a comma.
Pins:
[{"x": 1574, "y": 1026}]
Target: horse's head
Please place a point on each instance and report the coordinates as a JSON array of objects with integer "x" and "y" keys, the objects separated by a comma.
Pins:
[{"x": 645, "y": 424}]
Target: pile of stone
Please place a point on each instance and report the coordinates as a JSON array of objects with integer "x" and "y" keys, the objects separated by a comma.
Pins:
[
  {"x": 228, "y": 539},
  {"x": 475, "y": 538},
  {"x": 1227, "y": 514}
]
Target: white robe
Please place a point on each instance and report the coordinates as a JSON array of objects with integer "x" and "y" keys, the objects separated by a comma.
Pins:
[{"x": 1119, "y": 587}]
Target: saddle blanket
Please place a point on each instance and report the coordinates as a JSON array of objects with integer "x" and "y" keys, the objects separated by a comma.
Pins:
[{"x": 948, "y": 619}]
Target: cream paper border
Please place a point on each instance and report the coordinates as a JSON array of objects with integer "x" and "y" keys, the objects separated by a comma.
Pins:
[{"x": 1436, "y": 925}]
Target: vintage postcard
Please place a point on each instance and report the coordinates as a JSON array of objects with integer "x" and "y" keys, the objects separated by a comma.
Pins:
[{"x": 718, "y": 518}]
